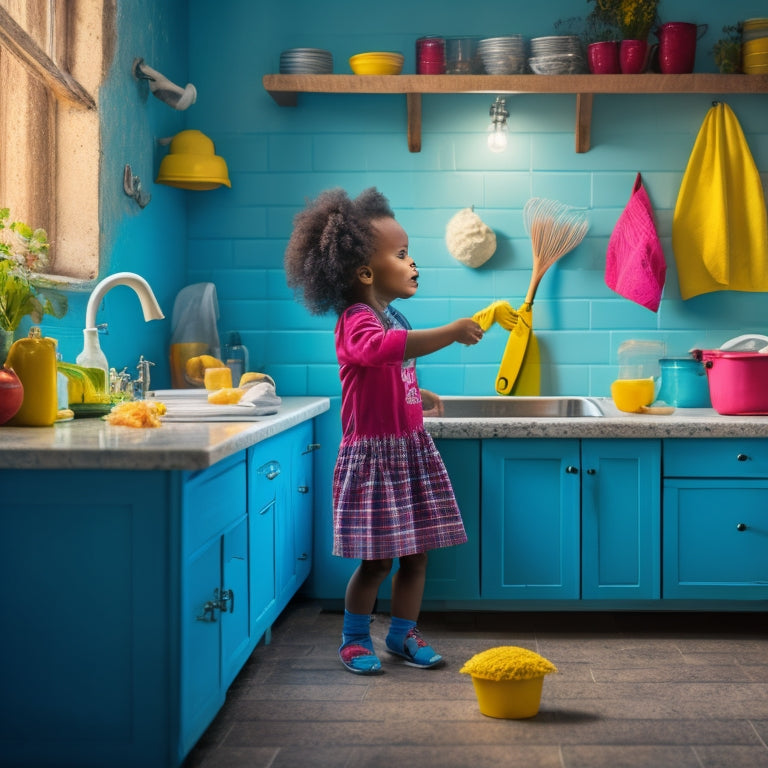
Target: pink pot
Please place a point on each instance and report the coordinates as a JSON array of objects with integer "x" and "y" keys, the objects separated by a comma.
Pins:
[
  {"x": 603, "y": 58},
  {"x": 633, "y": 56},
  {"x": 677, "y": 46},
  {"x": 737, "y": 381}
]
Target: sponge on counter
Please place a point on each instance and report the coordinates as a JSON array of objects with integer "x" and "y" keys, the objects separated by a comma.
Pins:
[{"x": 217, "y": 378}]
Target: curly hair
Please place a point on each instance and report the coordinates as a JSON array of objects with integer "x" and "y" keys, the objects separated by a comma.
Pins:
[{"x": 331, "y": 238}]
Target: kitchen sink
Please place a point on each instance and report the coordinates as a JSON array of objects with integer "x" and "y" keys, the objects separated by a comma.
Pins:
[{"x": 519, "y": 407}]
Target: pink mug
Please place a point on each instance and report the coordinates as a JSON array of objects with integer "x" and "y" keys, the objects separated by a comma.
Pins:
[{"x": 677, "y": 46}]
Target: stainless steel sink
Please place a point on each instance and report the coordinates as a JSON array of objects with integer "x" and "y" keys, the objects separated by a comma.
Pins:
[{"x": 519, "y": 407}]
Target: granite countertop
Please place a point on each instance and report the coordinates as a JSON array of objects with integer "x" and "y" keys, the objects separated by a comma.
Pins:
[
  {"x": 683, "y": 422},
  {"x": 94, "y": 444}
]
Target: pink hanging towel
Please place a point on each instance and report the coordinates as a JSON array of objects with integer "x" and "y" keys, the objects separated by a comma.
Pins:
[{"x": 635, "y": 266}]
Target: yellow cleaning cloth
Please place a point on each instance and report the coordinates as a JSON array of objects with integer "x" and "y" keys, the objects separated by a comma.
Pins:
[
  {"x": 720, "y": 228},
  {"x": 521, "y": 348}
]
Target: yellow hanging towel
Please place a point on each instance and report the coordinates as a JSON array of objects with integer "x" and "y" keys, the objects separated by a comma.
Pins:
[{"x": 720, "y": 228}]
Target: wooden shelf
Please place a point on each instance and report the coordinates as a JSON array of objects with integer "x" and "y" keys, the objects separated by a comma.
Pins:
[{"x": 284, "y": 89}]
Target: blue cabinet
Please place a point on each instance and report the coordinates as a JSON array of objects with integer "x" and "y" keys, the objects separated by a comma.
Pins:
[
  {"x": 620, "y": 519},
  {"x": 530, "y": 519},
  {"x": 138, "y": 596},
  {"x": 570, "y": 519},
  {"x": 716, "y": 519}
]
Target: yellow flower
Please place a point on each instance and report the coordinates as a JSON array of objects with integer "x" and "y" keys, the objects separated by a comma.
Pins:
[{"x": 508, "y": 662}]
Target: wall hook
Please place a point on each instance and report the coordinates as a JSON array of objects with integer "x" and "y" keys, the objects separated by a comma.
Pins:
[
  {"x": 169, "y": 93},
  {"x": 132, "y": 188}
]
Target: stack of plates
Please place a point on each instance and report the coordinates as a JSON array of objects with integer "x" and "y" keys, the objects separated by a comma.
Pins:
[
  {"x": 503, "y": 55},
  {"x": 754, "y": 48},
  {"x": 557, "y": 55},
  {"x": 306, "y": 61}
]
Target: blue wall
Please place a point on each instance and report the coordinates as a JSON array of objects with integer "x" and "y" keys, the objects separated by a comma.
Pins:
[
  {"x": 278, "y": 157},
  {"x": 149, "y": 241}
]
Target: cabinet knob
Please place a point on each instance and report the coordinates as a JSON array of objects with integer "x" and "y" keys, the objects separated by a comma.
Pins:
[
  {"x": 742, "y": 457},
  {"x": 591, "y": 471},
  {"x": 303, "y": 489},
  {"x": 571, "y": 470},
  {"x": 741, "y": 527},
  {"x": 303, "y": 556}
]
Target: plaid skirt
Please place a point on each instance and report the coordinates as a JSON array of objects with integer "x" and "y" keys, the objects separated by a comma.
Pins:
[{"x": 392, "y": 497}]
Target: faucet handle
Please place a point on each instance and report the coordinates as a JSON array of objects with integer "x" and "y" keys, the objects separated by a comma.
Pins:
[{"x": 143, "y": 379}]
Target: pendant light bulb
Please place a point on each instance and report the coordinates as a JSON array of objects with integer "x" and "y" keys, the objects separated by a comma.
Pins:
[{"x": 498, "y": 129}]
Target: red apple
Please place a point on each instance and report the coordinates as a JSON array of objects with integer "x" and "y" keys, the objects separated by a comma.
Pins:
[{"x": 11, "y": 394}]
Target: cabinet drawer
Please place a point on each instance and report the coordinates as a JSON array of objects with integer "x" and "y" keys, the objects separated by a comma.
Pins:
[
  {"x": 213, "y": 499},
  {"x": 732, "y": 457},
  {"x": 715, "y": 537}
]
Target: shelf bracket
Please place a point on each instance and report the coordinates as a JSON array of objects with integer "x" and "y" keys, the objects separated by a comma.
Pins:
[
  {"x": 413, "y": 102},
  {"x": 583, "y": 121}
]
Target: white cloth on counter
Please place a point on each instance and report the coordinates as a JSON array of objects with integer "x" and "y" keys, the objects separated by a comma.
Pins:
[{"x": 263, "y": 396}]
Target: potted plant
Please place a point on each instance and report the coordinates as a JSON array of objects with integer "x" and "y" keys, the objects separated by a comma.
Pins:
[
  {"x": 634, "y": 19},
  {"x": 23, "y": 290},
  {"x": 727, "y": 50},
  {"x": 600, "y": 39}
]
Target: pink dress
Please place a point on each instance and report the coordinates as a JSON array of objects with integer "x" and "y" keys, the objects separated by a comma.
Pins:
[{"x": 391, "y": 492}]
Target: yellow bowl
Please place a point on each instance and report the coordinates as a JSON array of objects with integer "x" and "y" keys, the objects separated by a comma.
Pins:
[
  {"x": 631, "y": 395},
  {"x": 508, "y": 699},
  {"x": 377, "y": 63}
]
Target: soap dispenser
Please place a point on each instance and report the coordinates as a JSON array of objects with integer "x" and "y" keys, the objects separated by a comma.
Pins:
[
  {"x": 34, "y": 361},
  {"x": 236, "y": 357}
]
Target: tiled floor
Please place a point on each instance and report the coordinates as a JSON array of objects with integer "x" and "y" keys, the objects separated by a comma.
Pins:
[{"x": 650, "y": 690}]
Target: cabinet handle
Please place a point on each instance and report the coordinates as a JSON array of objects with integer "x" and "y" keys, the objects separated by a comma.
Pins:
[
  {"x": 571, "y": 470},
  {"x": 303, "y": 489},
  {"x": 741, "y": 527},
  {"x": 209, "y": 607},
  {"x": 270, "y": 470},
  {"x": 742, "y": 457},
  {"x": 227, "y": 597},
  {"x": 310, "y": 447},
  {"x": 303, "y": 556},
  {"x": 591, "y": 471}
]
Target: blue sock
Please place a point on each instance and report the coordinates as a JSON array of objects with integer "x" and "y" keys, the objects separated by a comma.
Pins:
[
  {"x": 398, "y": 629},
  {"x": 357, "y": 629}
]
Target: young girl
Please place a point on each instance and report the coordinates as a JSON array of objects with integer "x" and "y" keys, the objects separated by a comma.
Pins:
[{"x": 391, "y": 494}]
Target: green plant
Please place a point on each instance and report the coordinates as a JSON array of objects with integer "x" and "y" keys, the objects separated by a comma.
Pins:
[
  {"x": 633, "y": 18},
  {"x": 24, "y": 252},
  {"x": 590, "y": 29},
  {"x": 727, "y": 50}
]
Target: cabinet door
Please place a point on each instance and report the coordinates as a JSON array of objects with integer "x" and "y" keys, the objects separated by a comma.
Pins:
[
  {"x": 264, "y": 481},
  {"x": 201, "y": 691},
  {"x": 530, "y": 519},
  {"x": 233, "y": 594},
  {"x": 620, "y": 519},
  {"x": 300, "y": 495},
  {"x": 715, "y": 539},
  {"x": 453, "y": 573}
]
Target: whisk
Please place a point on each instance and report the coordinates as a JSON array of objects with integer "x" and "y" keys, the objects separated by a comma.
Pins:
[{"x": 555, "y": 229}]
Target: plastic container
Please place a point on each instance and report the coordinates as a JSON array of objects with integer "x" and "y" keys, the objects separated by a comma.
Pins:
[
  {"x": 508, "y": 699},
  {"x": 684, "y": 383},
  {"x": 738, "y": 381},
  {"x": 34, "y": 361},
  {"x": 430, "y": 56}
]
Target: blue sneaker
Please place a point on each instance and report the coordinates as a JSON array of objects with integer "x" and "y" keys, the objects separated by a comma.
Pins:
[{"x": 416, "y": 651}]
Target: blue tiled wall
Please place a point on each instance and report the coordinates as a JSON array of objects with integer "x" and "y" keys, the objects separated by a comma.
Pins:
[{"x": 278, "y": 157}]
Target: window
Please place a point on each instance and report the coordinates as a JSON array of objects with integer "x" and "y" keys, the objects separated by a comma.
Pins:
[{"x": 53, "y": 56}]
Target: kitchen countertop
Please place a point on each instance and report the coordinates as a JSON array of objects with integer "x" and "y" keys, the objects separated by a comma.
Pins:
[
  {"x": 683, "y": 422},
  {"x": 94, "y": 444}
]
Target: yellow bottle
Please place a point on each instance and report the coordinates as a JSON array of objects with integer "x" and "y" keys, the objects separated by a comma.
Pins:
[{"x": 34, "y": 360}]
